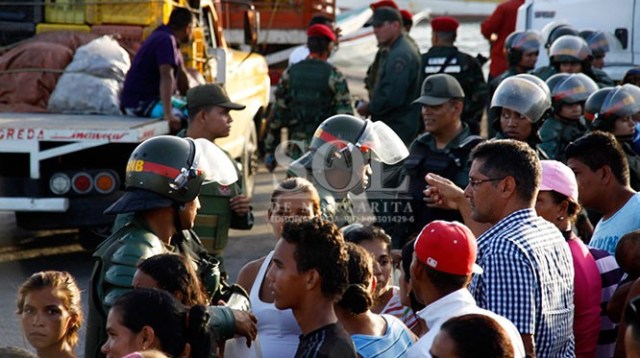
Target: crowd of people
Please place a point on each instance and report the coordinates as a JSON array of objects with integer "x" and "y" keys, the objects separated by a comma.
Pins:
[{"x": 490, "y": 231}]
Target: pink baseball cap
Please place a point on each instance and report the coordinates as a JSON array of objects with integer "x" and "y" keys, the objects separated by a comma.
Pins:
[
  {"x": 560, "y": 178},
  {"x": 448, "y": 247}
]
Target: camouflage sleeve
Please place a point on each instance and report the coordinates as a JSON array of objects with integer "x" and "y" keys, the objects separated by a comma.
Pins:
[
  {"x": 341, "y": 95},
  {"x": 475, "y": 104},
  {"x": 279, "y": 115}
]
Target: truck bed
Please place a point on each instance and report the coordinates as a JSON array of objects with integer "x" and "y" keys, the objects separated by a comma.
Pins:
[{"x": 38, "y": 127}]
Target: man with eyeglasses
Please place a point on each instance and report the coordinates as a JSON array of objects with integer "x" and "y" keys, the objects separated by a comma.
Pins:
[
  {"x": 444, "y": 150},
  {"x": 528, "y": 270}
]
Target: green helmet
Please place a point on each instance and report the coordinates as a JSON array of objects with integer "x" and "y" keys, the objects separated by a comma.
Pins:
[
  {"x": 570, "y": 88},
  {"x": 344, "y": 133},
  {"x": 569, "y": 48},
  {"x": 608, "y": 104},
  {"x": 166, "y": 170}
]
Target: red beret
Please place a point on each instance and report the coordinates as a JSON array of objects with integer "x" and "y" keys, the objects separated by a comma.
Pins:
[
  {"x": 445, "y": 24},
  {"x": 320, "y": 30},
  {"x": 406, "y": 15},
  {"x": 381, "y": 3}
]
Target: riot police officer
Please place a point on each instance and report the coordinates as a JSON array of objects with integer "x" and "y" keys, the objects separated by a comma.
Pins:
[
  {"x": 163, "y": 178},
  {"x": 571, "y": 54},
  {"x": 568, "y": 94},
  {"x": 612, "y": 110},
  {"x": 522, "y": 49},
  {"x": 339, "y": 164},
  {"x": 519, "y": 107},
  {"x": 444, "y": 150},
  {"x": 600, "y": 43},
  {"x": 522, "y": 54}
]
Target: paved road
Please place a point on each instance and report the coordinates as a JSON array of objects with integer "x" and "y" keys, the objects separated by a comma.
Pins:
[{"x": 23, "y": 253}]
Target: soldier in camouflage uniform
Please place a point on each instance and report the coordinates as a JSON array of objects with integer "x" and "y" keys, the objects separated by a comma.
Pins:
[
  {"x": 395, "y": 80},
  {"x": 571, "y": 54},
  {"x": 568, "y": 95},
  {"x": 308, "y": 92},
  {"x": 612, "y": 110},
  {"x": 338, "y": 163},
  {"x": 224, "y": 206},
  {"x": 163, "y": 178},
  {"x": 444, "y": 57}
]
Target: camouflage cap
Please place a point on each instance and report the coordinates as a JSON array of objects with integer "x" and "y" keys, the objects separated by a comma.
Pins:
[{"x": 382, "y": 14}]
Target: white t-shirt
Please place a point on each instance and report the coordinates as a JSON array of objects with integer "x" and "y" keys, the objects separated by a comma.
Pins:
[
  {"x": 608, "y": 232},
  {"x": 299, "y": 54},
  {"x": 456, "y": 304}
]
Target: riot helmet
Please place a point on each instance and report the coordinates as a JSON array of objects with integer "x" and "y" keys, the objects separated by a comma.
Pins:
[
  {"x": 342, "y": 134},
  {"x": 537, "y": 81},
  {"x": 570, "y": 88},
  {"x": 600, "y": 42},
  {"x": 169, "y": 170},
  {"x": 554, "y": 30},
  {"x": 523, "y": 96},
  {"x": 570, "y": 48},
  {"x": 608, "y": 104},
  {"x": 519, "y": 43}
]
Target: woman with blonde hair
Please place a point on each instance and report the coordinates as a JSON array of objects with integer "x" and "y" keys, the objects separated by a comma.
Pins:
[{"x": 50, "y": 313}]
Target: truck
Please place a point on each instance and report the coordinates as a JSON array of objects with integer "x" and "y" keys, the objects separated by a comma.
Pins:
[
  {"x": 617, "y": 17},
  {"x": 60, "y": 171}
]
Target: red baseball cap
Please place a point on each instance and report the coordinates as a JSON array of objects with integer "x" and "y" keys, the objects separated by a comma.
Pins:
[
  {"x": 381, "y": 3},
  {"x": 320, "y": 30},
  {"x": 445, "y": 24},
  {"x": 448, "y": 247}
]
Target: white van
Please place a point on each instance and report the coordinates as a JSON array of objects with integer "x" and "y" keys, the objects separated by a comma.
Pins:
[{"x": 618, "y": 17}]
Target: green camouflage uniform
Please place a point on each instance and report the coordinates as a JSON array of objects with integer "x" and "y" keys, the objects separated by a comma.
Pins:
[
  {"x": 215, "y": 216},
  {"x": 371, "y": 78},
  {"x": 309, "y": 92},
  {"x": 116, "y": 260},
  {"x": 556, "y": 133},
  {"x": 468, "y": 72},
  {"x": 340, "y": 212},
  {"x": 396, "y": 87}
]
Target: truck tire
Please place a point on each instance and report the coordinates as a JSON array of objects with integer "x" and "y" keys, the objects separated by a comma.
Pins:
[
  {"x": 90, "y": 237},
  {"x": 250, "y": 161}
]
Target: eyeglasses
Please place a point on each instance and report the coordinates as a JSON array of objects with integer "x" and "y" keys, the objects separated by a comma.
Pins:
[{"x": 475, "y": 182}]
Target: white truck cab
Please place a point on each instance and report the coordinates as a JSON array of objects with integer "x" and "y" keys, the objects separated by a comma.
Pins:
[{"x": 617, "y": 17}]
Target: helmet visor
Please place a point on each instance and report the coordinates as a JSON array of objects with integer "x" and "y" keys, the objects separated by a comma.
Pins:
[
  {"x": 621, "y": 102},
  {"x": 214, "y": 163},
  {"x": 383, "y": 142},
  {"x": 522, "y": 96}
]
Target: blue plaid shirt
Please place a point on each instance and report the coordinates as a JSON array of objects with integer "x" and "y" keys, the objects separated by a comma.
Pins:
[{"x": 528, "y": 278}]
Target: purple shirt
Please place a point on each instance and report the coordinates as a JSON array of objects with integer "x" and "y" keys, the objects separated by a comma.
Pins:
[{"x": 142, "y": 84}]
